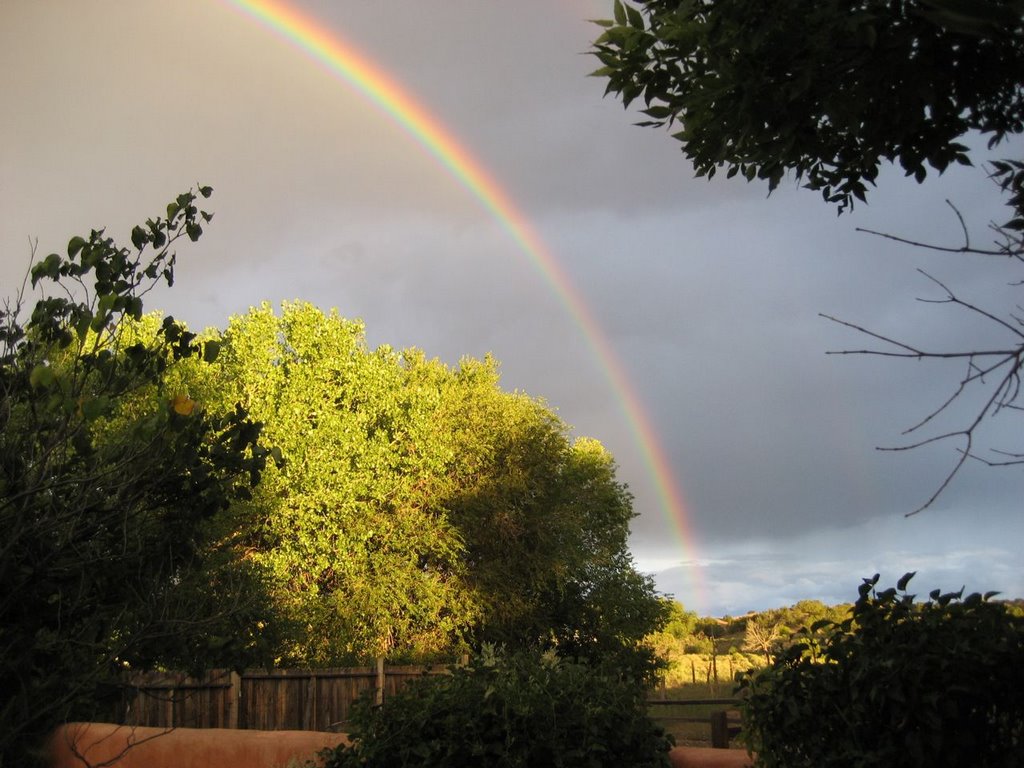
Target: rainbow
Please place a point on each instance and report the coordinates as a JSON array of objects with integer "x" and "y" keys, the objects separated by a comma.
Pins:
[{"x": 342, "y": 60}]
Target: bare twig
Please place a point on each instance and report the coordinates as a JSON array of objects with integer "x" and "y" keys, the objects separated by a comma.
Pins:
[
  {"x": 965, "y": 248},
  {"x": 1002, "y": 393}
]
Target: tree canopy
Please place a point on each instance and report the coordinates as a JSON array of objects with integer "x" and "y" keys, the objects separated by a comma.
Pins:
[
  {"x": 419, "y": 509},
  {"x": 825, "y": 89}
]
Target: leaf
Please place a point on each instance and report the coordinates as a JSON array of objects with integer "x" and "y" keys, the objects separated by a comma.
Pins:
[
  {"x": 134, "y": 307},
  {"x": 82, "y": 326},
  {"x": 211, "y": 349},
  {"x": 658, "y": 112},
  {"x": 75, "y": 244},
  {"x": 139, "y": 237},
  {"x": 41, "y": 377},
  {"x": 636, "y": 19},
  {"x": 620, "y": 13},
  {"x": 901, "y": 585},
  {"x": 48, "y": 267},
  {"x": 183, "y": 405},
  {"x": 94, "y": 407}
]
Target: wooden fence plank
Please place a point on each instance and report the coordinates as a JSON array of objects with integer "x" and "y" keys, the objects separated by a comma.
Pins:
[{"x": 291, "y": 699}]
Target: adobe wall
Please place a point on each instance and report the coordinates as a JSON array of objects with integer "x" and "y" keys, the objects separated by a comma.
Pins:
[{"x": 81, "y": 745}]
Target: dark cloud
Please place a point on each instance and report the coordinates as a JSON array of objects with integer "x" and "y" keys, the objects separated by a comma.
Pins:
[{"x": 709, "y": 292}]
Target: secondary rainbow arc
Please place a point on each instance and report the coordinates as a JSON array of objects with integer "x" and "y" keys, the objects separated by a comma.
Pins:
[{"x": 343, "y": 60}]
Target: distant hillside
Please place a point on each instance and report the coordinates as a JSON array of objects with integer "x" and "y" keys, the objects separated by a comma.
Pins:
[{"x": 710, "y": 650}]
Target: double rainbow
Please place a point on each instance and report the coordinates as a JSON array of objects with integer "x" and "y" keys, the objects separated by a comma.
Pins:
[{"x": 343, "y": 61}]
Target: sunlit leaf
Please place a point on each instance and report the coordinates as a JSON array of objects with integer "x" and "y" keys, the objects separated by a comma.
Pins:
[{"x": 183, "y": 405}]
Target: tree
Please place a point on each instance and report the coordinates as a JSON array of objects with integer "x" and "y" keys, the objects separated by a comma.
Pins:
[
  {"x": 360, "y": 563},
  {"x": 897, "y": 683},
  {"x": 681, "y": 623},
  {"x": 762, "y": 636},
  {"x": 419, "y": 509},
  {"x": 672, "y": 641},
  {"x": 103, "y": 502},
  {"x": 793, "y": 619},
  {"x": 826, "y": 90}
]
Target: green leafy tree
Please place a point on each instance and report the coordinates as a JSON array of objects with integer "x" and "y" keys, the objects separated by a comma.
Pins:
[
  {"x": 824, "y": 89},
  {"x": 419, "y": 509},
  {"x": 897, "y": 683},
  {"x": 804, "y": 613},
  {"x": 361, "y": 563},
  {"x": 545, "y": 524},
  {"x": 670, "y": 643},
  {"x": 103, "y": 498}
]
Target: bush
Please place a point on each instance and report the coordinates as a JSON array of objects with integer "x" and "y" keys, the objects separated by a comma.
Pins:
[
  {"x": 109, "y": 478},
  {"x": 505, "y": 710},
  {"x": 900, "y": 683}
]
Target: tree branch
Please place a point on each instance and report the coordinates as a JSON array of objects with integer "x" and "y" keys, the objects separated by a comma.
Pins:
[{"x": 1002, "y": 394}]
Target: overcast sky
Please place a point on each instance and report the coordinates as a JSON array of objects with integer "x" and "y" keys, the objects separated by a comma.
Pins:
[{"x": 708, "y": 293}]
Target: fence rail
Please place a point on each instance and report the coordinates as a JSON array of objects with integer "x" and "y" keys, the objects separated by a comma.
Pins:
[
  {"x": 723, "y": 723},
  {"x": 320, "y": 699},
  {"x": 302, "y": 700}
]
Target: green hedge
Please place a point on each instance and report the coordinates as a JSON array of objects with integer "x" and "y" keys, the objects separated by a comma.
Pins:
[
  {"x": 939, "y": 683},
  {"x": 509, "y": 710}
]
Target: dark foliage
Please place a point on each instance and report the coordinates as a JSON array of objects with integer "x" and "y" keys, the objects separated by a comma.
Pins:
[
  {"x": 899, "y": 683},
  {"x": 105, "y": 483},
  {"x": 826, "y": 89},
  {"x": 523, "y": 710}
]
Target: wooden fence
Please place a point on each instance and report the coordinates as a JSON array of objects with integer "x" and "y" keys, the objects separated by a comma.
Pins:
[
  {"x": 724, "y": 724},
  {"x": 301, "y": 700},
  {"x": 321, "y": 699}
]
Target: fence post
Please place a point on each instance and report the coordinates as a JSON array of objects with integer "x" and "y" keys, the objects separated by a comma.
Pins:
[
  {"x": 379, "y": 691},
  {"x": 234, "y": 698},
  {"x": 309, "y": 706},
  {"x": 719, "y": 730},
  {"x": 172, "y": 692}
]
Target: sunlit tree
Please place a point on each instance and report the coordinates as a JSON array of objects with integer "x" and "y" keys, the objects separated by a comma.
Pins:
[{"x": 419, "y": 509}]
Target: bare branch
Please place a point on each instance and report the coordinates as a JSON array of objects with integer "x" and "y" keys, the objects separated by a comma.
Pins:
[
  {"x": 963, "y": 225},
  {"x": 1010, "y": 246},
  {"x": 130, "y": 741},
  {"x": 1003, "y": 393},
  {"x": 930, "y": 247}
]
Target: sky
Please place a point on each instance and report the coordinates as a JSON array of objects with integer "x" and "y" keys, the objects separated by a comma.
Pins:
[{"x": 705, "y": 296}]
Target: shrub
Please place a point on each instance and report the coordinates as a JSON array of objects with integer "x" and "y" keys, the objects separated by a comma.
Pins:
[
  {"x": 504, "y": 710},
  {"x": 899, "y": 683}
]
